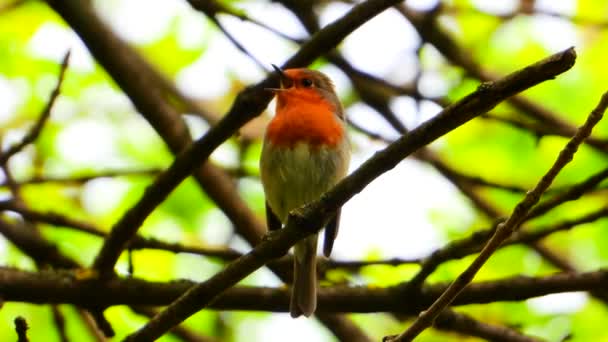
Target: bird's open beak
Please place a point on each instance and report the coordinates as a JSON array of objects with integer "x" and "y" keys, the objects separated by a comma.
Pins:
[{"x": 284, "y": 80}]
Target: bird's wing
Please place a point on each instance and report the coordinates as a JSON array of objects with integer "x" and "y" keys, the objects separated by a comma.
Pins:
[
  {"x": 331, "y": 231},
  {"x": 271, "y": 219}
]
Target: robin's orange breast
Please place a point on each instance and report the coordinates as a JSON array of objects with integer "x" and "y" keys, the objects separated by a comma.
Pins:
[{"x": 299, "y": 120}]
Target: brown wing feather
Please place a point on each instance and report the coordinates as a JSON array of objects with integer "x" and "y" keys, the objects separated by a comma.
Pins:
[
  {"x": 271, "y": 219},
  {"x": 331, "y": 232}
]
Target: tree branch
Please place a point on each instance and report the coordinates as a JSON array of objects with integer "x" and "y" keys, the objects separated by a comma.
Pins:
[
  {"x": 34, "y": 132},
  {"x": 505, "y": 229},
  {"x": 67, "y": 287},
  {"x": 310, "y": 218},
  {"x": 453, "y": 321},
  {"x": 138, "y": 241},
  {"x": 426, "y": 24},
  {"x": 473, "y": 244},
  {"x": 32, "y": 244},
  {"x": 21, "y": 329},
  {"x": 59, "y": 321},
  {"x": 80, "y": 179},
  {"x": 247, "y": 105},
  {"x": 120, "y": 62}
]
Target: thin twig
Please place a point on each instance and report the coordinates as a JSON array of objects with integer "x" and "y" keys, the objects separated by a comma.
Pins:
[
  {"x": 91, "y": 325},
  {"x": 21, "y": 329},
  {"x": 474, "y": 242},
  {"x": 80, "y": 179},
  {"x": 66, "y": 287},
  {"x": 59, "y": 320},
  {"x": 211, "y": 9},
  {"x": 180, "y": 331},
  {"x": 540, "y": 130},
  {"x": 354, "y": 265},
  {"x": 427, "y": 26},
  {"x": 237, "y": 44},
  {"x": 528, "y": 11},
  {"x": 34, "y": 132},
  {"x": 505, "y": 229},
  {"x": 138, "y": 242},
  {"x": 572, "y": 193},
  {"x": 542, "y": 232},
  {"x": 464, "y": 324}
]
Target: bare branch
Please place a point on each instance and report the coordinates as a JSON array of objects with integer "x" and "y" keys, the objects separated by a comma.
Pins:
[
  {"x": 66, "y": 287},
  {"x": 138, "y": 241},
  {"x": 247, "y": 105},
  {"x": 572, "y": 193},
  {"x": 80, "y": 179},
  {"x": 179, "y": 331},
  {"x": 21, "y": 329},
  {"x": 310, "y": 218},
  {"x": 59, "y": 320},
  {"x": 30, "y": 242},
  {"x": 211, "y": 10},
  {"x": 34, "y": 132},
  {"x": 464, "y": 324},
  {"x": 506, "y": 228}
]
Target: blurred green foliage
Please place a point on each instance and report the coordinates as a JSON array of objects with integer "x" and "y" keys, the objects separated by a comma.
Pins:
[{"x": 485, "y": 148}]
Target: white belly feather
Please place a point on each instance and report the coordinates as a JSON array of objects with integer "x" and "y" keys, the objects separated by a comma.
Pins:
[{"x": 296, "y": 176}]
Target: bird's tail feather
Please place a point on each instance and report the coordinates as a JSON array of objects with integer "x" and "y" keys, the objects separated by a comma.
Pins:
[{"x": 304, "y": 293}]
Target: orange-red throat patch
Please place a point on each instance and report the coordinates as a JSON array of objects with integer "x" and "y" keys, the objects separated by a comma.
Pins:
[{"x": 303, "y": 115}]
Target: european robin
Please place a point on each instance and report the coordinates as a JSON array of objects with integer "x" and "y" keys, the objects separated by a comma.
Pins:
[{"x": 305, "y": 153}]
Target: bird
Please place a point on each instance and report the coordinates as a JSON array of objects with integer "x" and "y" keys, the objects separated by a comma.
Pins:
[{"x": 305, "y": 152}]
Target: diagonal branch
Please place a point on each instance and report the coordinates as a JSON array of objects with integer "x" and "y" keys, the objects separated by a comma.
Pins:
[
  {"x": 427, "y": 26},
  {"x": 473, "y": 244},
  {"x": 147, "y": 91},
  {"x": 31, "y": 243},
  {"x": 247, "y": 105},
  {"x": 34, "y": 132},
  {"x": 462, "y": 323},
  {"x": 505, "y": 229},
  {"x": 309, "y": 219}
]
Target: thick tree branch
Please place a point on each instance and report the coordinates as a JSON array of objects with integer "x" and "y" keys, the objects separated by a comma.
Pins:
[
  {"x": 309, "y": 219},
  {"x": 146, "y": 92},
  {"x": 66, "y": 287},
  {"x": 247, "y": 105},
  {"x": 104, "y": 46}
]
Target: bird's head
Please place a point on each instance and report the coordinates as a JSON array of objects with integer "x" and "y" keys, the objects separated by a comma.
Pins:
[{"x": 306, "y": 85}]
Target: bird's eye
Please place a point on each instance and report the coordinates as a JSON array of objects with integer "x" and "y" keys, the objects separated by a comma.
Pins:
[{"x": 307, "y": 82}]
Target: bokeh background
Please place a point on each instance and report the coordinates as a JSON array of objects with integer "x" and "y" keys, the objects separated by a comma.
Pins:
[{"x": 96, "y": 154}]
